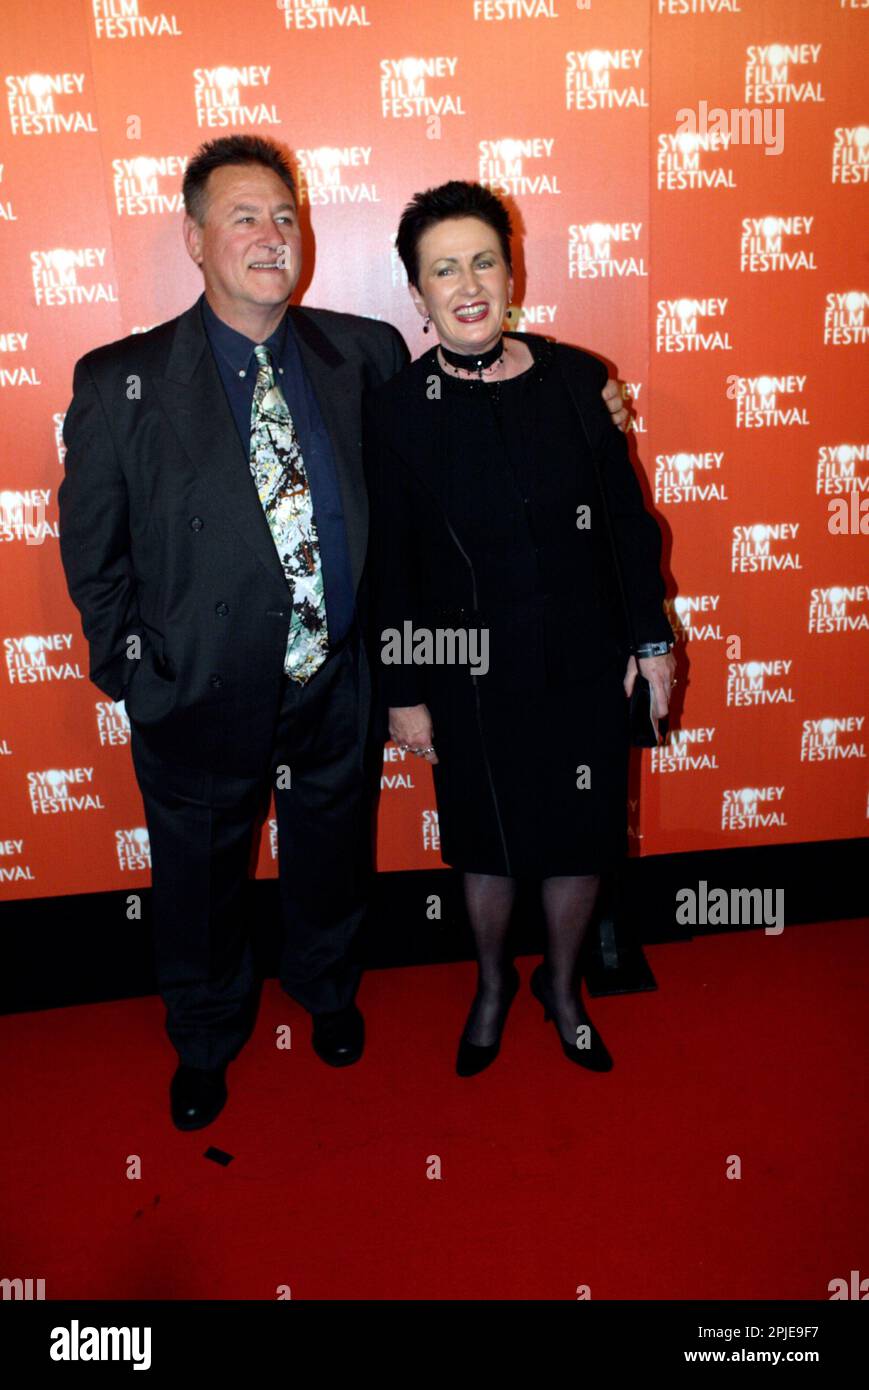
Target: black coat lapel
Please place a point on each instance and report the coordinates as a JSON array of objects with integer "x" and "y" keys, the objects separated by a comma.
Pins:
[
  {"x": 337, "y": 383},
  {"x": 192, "y": 395}
]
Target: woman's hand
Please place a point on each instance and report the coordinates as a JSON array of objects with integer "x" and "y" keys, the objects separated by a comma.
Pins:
[
  {"x": 614, "y": 402},
  {"x": 659, "y": 672},
  {"x": 410, "y": 728}
]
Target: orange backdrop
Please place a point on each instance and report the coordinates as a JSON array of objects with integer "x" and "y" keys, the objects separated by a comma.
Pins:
[{"x": 726, "y": 285}]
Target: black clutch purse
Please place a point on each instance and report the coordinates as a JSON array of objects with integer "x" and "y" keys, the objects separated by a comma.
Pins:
[
  {"x": 646, "y": 729},
  {"x": 644, "y": 725}
]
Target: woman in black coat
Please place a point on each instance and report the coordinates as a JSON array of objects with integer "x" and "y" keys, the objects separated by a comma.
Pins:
[{"x": 503, "y": 655}]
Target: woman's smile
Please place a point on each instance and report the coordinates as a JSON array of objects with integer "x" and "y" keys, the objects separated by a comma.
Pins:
[{"x": 472, "y": 313}]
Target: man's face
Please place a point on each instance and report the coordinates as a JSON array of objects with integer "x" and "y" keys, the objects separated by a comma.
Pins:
[{"x": 249, "y": 246}]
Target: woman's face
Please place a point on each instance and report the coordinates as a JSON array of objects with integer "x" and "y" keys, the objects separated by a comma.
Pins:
[{"x": 464, "y": 283}]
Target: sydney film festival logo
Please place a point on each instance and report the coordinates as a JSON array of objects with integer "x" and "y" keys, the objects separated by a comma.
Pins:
[
  {"x": 764, "y": 546},
  {"x": 57, "y": 420},
  {"x": 694, "y": 617},
  {"x": 23, "y": 516},
  {"x": 13, "y": 346},
  {"x": 751, "y": 683},
  {"x": 839, "y": 608},
  {"x": 769, "y": 244},
  {"x": 845, "y": 318},
  {"x": 71, "y": 275},
  {"x": 604, "y": 79},
  {"x": 681, "y": 325},
  {"x": 604, "y": 250},
  {"x": 767, "y": 401},
  {"x": 832, "y": 739},
  {"x": 335, "y": 174},
  {"x": 401, "y": 780},
  {"x": 63, "y": 791},
  {"x": 779, "y": 74},
  {"x": 496, "y": 11},
  {"x": 129, "y": 19},
  {"x": 678, "y": 160},
  {"x": 521, "y": 168},
  {"x": 690, "y": 477},
  {"x": 41, "y": 659},
  {"x": 837, "y": 472},
  {"x": 113, "y": 724},
  {"x": 850, "y": 154},
  {"x": 321, "y": 14},
  {"x": 133, "y": 849},
  {"x": 688, "y": 749},
  {"x": 233, "y": 96},
  {"x": 413, "y": 87},
  {"x": 42, "y": 103},
  {"x": 753, "y": 808},
  {"x": 11, "y": 872},
  {"x": 431, "y": 833},
  {"x": 148, "y": 184}
]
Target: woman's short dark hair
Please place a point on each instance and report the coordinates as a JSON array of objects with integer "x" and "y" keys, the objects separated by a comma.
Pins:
[
  {"x": 231, "y": 149},
  {"x": 457, "y": 198}
]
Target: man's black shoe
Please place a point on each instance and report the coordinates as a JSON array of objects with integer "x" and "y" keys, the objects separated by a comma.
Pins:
[
  {"x": 197, "y": 1096},
  {"x": 339, "y": 1037}
]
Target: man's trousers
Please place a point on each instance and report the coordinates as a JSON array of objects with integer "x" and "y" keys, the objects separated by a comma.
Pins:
[{"x": 200, "y": 826}]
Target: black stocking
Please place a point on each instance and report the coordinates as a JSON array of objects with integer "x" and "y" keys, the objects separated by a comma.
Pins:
[
  {"x": 489, "y": 901},
  {"x": 568, "y": 903}
]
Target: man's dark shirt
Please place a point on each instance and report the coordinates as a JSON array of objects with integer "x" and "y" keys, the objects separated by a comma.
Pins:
[{"x": 238, "y": 367}]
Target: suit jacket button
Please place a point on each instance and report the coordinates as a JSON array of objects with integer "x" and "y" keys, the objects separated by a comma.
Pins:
[
  {"x": 221, "y": 609},
  {"x": 216, "y": 681},
  {"x": 196, "y": 523}
]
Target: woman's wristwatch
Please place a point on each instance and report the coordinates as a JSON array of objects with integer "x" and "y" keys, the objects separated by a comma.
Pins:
[{"x": 654, "y": 648}]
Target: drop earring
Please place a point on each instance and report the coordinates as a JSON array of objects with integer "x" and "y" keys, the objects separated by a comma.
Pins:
[{"x": 426, "y": 323}]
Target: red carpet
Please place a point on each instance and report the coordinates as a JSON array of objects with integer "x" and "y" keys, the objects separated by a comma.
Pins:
[{"x": 553, "y": 1177}]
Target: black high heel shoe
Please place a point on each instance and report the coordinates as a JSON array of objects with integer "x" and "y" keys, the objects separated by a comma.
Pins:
[
  {"x": 595, "y": 1057},
  {"x": 472, "y": 1058}
]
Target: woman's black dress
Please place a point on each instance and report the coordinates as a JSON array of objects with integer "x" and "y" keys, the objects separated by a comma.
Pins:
[{"x": 475, "y": 492}]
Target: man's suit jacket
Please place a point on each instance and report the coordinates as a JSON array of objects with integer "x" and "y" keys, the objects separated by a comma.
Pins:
[{"x": 163, "y": 536}]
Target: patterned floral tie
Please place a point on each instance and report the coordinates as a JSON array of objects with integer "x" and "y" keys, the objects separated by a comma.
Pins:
[{"x": 282, "y": 483}]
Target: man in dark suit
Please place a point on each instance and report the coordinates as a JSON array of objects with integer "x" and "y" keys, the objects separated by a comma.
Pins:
[
  {"x": 213, "y": 531},
  {"x": 186, "y": 604}
]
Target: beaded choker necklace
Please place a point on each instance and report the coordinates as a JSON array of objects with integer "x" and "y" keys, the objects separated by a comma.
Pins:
[{"x": 476, "y": 362}]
